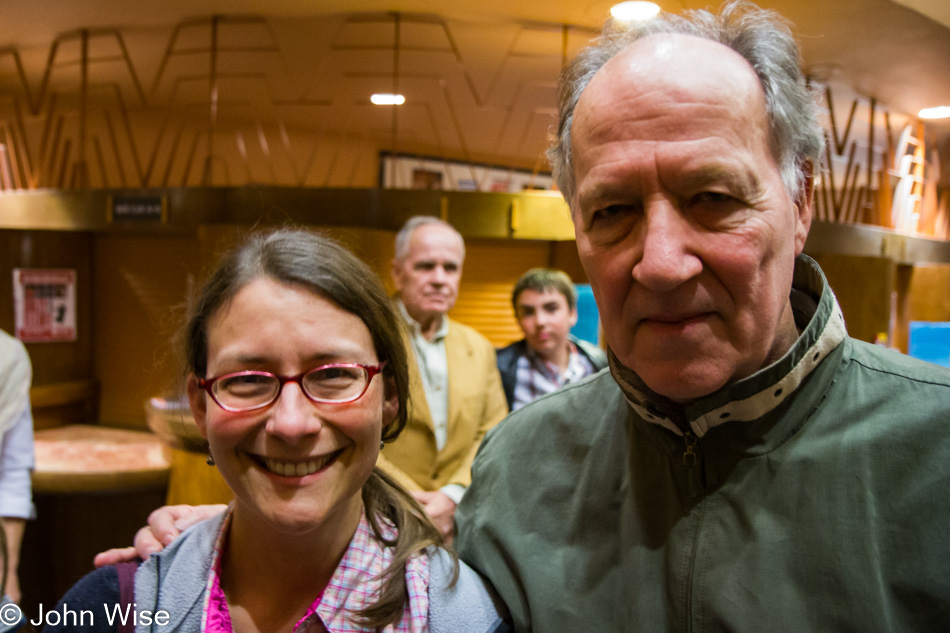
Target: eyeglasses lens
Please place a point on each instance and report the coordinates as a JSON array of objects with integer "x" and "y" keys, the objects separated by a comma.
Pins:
[
  {"x": 244, "y": 391},
  {"x": 335, "y": 383},
  {"x": 331, "y": 383}
]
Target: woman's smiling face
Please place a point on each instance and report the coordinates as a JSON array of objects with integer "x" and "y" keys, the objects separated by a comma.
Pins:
[{"x": 297, "y": 465}]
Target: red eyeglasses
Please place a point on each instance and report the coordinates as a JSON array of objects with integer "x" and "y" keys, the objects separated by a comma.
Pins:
[{"x": 338, "y": 383}]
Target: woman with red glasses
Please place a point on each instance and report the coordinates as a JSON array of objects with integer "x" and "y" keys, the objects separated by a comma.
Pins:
[{"x": 297, "y": 377}]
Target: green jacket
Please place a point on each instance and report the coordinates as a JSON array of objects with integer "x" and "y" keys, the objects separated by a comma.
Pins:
[{"x": 812, "y": 496}]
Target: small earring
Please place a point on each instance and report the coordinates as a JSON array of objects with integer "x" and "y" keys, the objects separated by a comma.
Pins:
[
  {"x": 381, "y": 444},
  {"x": 210, "y": 460}
]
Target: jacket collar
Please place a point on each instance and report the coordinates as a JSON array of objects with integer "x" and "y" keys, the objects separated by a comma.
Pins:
[{"x": 821, "y": 323}]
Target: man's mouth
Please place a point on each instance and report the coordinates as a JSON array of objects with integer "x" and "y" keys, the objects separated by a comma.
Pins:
[
  {"x": 675, "y": 319},
  {"x": 298, "y": 468}
]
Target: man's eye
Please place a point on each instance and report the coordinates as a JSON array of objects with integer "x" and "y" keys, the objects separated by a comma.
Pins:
[
  {"x": 612, "y": 222},
  {"x": 611, "y": 212},
  {"x": 714, "y": 198}
]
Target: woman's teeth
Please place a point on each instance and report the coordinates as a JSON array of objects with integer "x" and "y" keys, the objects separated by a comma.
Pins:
[{"x": 298, "y": 469}]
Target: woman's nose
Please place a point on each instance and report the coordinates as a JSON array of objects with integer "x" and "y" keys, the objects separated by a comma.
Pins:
[{"x": 293, "y": 415}]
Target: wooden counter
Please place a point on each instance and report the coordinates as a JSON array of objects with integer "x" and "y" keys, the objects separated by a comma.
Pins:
[
  {"x": 93, "y": 487},
  {"x": 89, "y": 458}
]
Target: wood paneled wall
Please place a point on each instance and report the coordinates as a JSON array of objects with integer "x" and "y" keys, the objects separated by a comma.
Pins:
[
  {"x": 52, "y": 362},
  {"x": 142, "y": 284},
  {"x": 132, "y": 292},
  {"x": 880, "y": 296}
]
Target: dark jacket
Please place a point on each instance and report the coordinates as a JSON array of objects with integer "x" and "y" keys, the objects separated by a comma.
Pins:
[{"x": 508, "y": 362}]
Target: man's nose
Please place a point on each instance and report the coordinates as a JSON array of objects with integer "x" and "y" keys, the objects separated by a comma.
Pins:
[
  {"x": 293, "y": 415},
  {"x": 667, "y": 243},
  {"x": 439, "y": 275}
]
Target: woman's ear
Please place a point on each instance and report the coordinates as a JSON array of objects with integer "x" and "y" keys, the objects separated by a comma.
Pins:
[
  {"x": 390, "y": 402},
  {"x": 198, "y": 399}
]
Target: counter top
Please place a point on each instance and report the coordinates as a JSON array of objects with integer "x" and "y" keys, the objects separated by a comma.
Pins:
[{"x": 92, "y": 458}]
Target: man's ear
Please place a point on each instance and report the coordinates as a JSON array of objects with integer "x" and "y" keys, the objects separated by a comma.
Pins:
[
  {"x": 198, "y": 399},
  {"x": 804, "y": 206},
  {"x": 395, "y": 270},
  {"x": 574, "y": 316}
]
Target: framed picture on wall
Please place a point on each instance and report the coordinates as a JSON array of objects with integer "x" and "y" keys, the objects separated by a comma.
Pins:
[
  {"x": 44, "y": 303},
  {"x": 406, "y": 171}
]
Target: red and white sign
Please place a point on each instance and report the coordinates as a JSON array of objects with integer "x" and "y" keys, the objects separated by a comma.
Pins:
[{"x": 44, "y": 301}]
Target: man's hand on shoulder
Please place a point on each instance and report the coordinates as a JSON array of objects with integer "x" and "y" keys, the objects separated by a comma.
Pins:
[
  {"x": 441, "y": 509},
  {"x": 164, "y": 526}
]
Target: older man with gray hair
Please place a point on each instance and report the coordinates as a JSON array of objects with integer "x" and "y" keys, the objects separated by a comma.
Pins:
[
  {"x": 455, "y": 389},
  {"x": 745, "y": 465}
]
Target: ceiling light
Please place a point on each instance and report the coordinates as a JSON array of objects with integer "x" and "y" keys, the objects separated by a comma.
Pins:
[
  {"x": 940, "y": 112},
  {"x": 387, "y": 99},
  {"x": 634, "y": 11}
]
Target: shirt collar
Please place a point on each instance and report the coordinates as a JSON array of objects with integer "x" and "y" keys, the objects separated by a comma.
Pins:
[
  {"x": 575, "y": 366},
  {"x": 416, "y": 329},
  {"x": 355, "y": 582},
  {"x": 821, "y": 323}
]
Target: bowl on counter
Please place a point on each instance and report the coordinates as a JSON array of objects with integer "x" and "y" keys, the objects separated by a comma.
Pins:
[{"x": 172, "y": 421}]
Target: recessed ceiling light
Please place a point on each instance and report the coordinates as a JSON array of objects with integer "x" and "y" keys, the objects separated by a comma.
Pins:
[
  {"x": 387, "y": 99},
  {"x": 634, "y": 11},
  {"x": 939, "y": 112}
]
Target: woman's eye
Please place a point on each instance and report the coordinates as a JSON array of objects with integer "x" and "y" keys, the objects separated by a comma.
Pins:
[
  {"x": 334, "y": 374},
  {"x": 333, "y": 382},
  {"x": 245, "y": 384}
]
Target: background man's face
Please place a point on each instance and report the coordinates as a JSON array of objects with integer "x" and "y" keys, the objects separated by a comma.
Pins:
[
  {"x": 682, "y": 222},
  {"x": 428, "y": 278},
  {"x": 545, "y": 320}
]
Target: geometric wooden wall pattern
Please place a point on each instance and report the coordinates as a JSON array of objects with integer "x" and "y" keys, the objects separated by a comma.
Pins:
[
  {"x": 241, "y": 100},
  {"x": 238, "y": 100},
  {"x": 876, "y": 170}
]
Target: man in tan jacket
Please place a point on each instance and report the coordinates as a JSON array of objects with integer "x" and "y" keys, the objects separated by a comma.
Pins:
[{"x": 455, "y": 389}]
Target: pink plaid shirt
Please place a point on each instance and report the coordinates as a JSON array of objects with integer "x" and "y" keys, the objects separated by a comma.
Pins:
[{"x": 352, "y": 587}]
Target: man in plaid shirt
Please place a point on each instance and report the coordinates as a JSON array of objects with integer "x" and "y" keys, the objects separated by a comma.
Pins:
[{"x": 548, "y": 357}]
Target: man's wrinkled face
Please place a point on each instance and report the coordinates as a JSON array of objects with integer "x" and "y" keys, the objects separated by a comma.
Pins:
[
  {"x": 682, "y": 221},
  {"x": 428, "y": 277}
]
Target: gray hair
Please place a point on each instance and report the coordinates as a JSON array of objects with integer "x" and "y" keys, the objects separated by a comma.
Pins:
[
  {"x": 413, "y": 223},
  {"x": 762, "y": 38}
]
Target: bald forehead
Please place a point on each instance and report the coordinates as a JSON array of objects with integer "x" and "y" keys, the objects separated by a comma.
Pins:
[
  {"x": 677, "y": 65},
  {"x": 429, "y": 235}
]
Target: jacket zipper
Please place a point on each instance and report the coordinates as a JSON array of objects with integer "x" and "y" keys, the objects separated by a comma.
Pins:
[{"x": 691, "y": 459}]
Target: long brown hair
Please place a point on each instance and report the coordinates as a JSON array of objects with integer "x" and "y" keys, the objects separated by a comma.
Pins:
[{"x": 321, "y": 265}]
